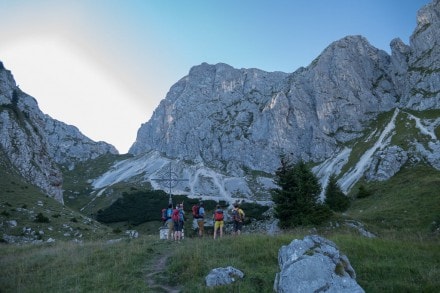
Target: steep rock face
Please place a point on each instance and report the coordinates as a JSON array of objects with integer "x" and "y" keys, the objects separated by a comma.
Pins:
[
  {"x": 208, "y": 115},
  {"x": 346, "y": 86},
  {"x": 35, "y": 143},
  {"x": 234, "y": 118},
  {"x": 224, "y": 128},
  {"x": 22, "y": 141},
  {"x": 417, "y": 66}
]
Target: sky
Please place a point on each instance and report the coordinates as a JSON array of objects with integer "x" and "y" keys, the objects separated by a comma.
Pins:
[{"x": 105, "y": 65}]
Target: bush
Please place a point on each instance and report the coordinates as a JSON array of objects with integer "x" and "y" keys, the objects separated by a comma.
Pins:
[
  {"x": 363, "y": 192},
  {"x": 117, "y": 230},
  {"x": 41, "y": 218}
]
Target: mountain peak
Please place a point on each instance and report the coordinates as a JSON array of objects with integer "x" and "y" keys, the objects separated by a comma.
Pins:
[{"x": 236, "y": 121}]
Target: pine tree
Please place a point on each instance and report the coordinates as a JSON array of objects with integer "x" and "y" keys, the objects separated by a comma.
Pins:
[
  {"x": 334, "y": 197},
  {"x": 296, "y": 201}
]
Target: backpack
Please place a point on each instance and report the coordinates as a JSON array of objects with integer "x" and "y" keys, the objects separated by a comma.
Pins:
[
  {"x": 175, "y": 215},
  {"x": 164, "y": 215},
  {"x": 218, "y": 215},
  {"x": 237, "y": 215},
  {"x": 195, "y": 211},
  {"x": 169, "y": 213}
]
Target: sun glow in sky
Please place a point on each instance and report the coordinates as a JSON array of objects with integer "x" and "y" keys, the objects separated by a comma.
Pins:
[{"x": 104, "y": 65}]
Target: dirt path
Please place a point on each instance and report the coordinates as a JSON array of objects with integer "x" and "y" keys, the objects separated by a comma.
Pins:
[{"x": 156, "y": 273}]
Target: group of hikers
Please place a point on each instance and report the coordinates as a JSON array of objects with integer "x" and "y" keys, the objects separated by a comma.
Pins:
[{"x": 175, "y": 218}]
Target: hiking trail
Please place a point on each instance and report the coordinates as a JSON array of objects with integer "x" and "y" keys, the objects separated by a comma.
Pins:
[{"x": 154, "y": 276}]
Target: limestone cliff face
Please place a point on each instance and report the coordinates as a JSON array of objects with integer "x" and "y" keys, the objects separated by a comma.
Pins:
[
  {"x": 238, "y": 120},
  {"x": 416, "y": 69},
  {"x": 36, "y": 144},
  {"x": 246, "y": 117}
]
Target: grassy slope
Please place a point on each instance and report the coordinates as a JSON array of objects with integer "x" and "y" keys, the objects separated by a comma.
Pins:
[
  {"x": 405, "y": 257},
  {"x": 68, "y": 267},
  {"x": 393, "y": 265},
  {"x": 406, "y": 205},
  {"x": 382, "y": 265},
  {"x": 22, "y": 202}
]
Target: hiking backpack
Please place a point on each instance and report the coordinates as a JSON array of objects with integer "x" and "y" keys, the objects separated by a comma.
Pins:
[
  {"x": 169, "y": 213},
  {"x": 237, "y": 216},
  {"x": 218, "y": 215},
  {"x": 175, "y": 215},
  {"x": 195, "y": 211},
  {"x": 164, "y": 215}
]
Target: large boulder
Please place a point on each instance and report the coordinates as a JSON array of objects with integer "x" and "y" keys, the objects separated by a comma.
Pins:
[{"x": 314, "y": 264}]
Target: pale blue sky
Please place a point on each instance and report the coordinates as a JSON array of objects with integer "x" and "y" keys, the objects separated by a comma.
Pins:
[{"x": 104, "y": 65}]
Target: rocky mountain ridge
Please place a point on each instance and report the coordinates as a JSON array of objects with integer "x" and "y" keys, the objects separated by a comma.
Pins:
[
  {"x": 225, "y": 128},
  {"x": 35, "y": 144}
]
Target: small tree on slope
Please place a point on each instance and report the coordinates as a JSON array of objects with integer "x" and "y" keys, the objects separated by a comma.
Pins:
[
  {"x": 296, "y": 201},
  {"x": 334, "y": 197}
]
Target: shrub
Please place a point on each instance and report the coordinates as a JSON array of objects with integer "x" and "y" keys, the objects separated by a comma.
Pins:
[
  {"x": 363, "y": 192},
  {"x": 41, "y": 218}
]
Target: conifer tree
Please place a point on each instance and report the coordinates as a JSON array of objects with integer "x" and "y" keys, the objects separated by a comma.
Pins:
[
  {"x": 334, "y": 197},
  {"x": 296, "y": 201}
]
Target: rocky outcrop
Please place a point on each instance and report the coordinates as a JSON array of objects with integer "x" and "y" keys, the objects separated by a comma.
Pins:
[
  {"x": 416, "y": 68},
  {"x": 223, "y": 276},
  {"x": 35, "y": 144},
  {"x": 386, "y": 163},
  {"x": 314, "y": 264},
  {"x": 67, "y": 145}
]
